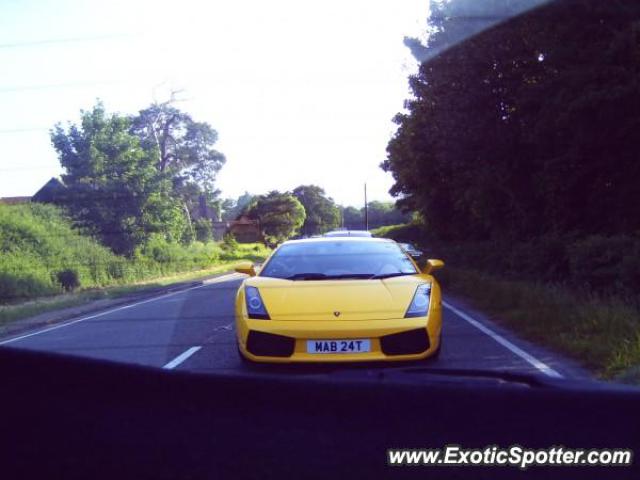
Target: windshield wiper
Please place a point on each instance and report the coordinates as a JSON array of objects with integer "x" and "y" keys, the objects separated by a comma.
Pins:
[
  {"x": 389, "y": 275},
  {"x": 351, "y": 275},
  {"x": 322, "y": 276},
  {"x": 307, "y": 276}
]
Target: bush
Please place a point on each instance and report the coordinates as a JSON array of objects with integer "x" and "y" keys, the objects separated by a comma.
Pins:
[
  {"x": 229, "y": 243},
  {"x": 68, "y": 279},
  {"x": 43, "y": 254},
  {"x": 410, "y": 232},
  {"x": 160, "y": 250},
  {"x": 606, "y": 264},
  {"x": 29, "y": 285},
  {"x": 38, "y": 241},
  {"x": 117, "y": 269},
  {"x": 204, "y": 232}
]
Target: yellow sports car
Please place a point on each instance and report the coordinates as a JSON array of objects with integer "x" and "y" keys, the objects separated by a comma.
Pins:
[{"x": 338, "y": 299}]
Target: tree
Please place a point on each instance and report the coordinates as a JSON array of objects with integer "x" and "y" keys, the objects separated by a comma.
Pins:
[
  {"x": 386, "y": 213},
  {"x": 203, "y": 230},
  {"x": 280, "y": 215},
  {"x": 352, "y": 218},
  {"x": 184, "y": 148},
  {"x": 322, "y": 213},
  {"x": 380, "y": 214},
  {"x": 232, "y": 208},
  {"x": 527, "y": 128},
  {"x": 113, "y": 188},
  {"x": 184, "y": 151}
]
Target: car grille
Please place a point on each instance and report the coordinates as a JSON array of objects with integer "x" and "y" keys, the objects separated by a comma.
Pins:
[
  {"x": 269, "y": 345},
  {"x": 405, "y": 343}
]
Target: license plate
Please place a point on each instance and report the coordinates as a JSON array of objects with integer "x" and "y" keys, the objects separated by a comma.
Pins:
[{"x": 355, "y": 345}]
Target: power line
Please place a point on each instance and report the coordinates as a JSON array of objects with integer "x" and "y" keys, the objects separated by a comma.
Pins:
[
  {"x": 54, "y": 41},
  {"x": 27, "y": 168},
  {"x": 48, "y": 86},
  {"x": 23, "y": 130}
]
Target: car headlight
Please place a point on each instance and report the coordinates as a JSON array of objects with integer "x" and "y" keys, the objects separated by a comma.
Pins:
[
  {"x": 419, "y": 306},
  {"x": 255, "y": 305}
]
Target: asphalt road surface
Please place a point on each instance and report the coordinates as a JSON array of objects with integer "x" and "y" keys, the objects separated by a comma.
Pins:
[{"x": 193, "y": 329}]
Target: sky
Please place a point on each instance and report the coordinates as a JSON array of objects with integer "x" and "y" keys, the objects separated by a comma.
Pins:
[{"x": 300, "y": 92}]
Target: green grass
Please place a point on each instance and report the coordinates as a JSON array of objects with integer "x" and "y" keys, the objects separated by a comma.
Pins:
[
  {"x": 255, "y": 252},
  {"x": 544, "y": 290},
  {"x": 9, "y": 313},
  {"x": 37, "y": 242},
  {"x": 40, "y": 248},
  {"x": 600, "y": 332}
]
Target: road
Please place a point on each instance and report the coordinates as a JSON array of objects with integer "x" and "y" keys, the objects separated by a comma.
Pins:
[{"x": 193, "y": 330}]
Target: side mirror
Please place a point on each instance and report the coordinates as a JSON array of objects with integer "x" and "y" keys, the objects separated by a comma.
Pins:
[
  {"x": 246, "y": 268},
  {"x": 432, "y": 265}
]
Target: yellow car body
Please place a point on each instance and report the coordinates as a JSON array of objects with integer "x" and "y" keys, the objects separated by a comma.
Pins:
[{"x": 338, "y": 312}]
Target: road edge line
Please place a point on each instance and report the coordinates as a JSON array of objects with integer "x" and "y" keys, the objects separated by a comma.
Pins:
[
  {"x": 111, "y": 310},
  {"x": 100, "y": 314},
  {"x": 538, "y": 364}
]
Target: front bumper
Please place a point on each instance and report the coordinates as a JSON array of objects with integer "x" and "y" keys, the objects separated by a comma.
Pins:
[{"x": 286, "y": 341}]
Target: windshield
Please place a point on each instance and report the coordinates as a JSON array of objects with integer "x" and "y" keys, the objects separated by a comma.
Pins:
[
  {"x": 222, "y": 187},
  {"x": 494, "y": 138},
  {"x": 337, "y": 259}
]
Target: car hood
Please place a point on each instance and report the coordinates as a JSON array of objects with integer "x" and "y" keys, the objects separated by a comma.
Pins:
[{"x": 337, "y": 300}]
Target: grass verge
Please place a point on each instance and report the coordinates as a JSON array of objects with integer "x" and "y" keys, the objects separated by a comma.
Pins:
[
  {"x": 10, "y": 313},
  {"x": 43, "y": 254},
  {"x": 603, "y": 333}
]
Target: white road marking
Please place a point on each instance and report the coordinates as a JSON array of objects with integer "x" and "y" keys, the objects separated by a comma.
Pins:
[
  {"x": 227, "y": 327},
  {"x": 224, "y": 278},
  {"x": 543, "y": 367},
  {"x": 106, "y": 312},
  {"x": 182, "y": 357}
]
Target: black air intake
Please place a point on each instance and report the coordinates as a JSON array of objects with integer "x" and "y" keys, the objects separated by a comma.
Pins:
[
  {"x": 269, "y": 345},
  {"x": 405, "y": 343}
]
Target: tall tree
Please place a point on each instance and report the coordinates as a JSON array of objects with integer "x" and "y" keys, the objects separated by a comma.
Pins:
[
  {"x": 526, "y": 128},
  {"x": 352, "y": 218},
  {"x": 113, "y": 187},
  {"x": 184, "y": 150},
  {"x": 322, "y": 213},
  {"x": 280, "y": 215}
]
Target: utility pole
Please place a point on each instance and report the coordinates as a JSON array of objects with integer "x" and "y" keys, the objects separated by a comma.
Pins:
[{"x": 366, "y": 209}]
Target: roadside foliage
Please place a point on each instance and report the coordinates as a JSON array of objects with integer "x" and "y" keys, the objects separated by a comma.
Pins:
[
  {"x": 526, "y": 129},
  {"x": 281, "y": 215},
  {"x": 518, "y": 149},
  {"x": 44, "y": 254}
]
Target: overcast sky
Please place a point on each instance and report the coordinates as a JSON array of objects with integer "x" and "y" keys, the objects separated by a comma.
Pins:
[{"x": 300, "y": 92}]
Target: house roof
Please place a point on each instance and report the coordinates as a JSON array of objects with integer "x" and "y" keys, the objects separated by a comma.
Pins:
[{"x": 47, "y": 191}]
